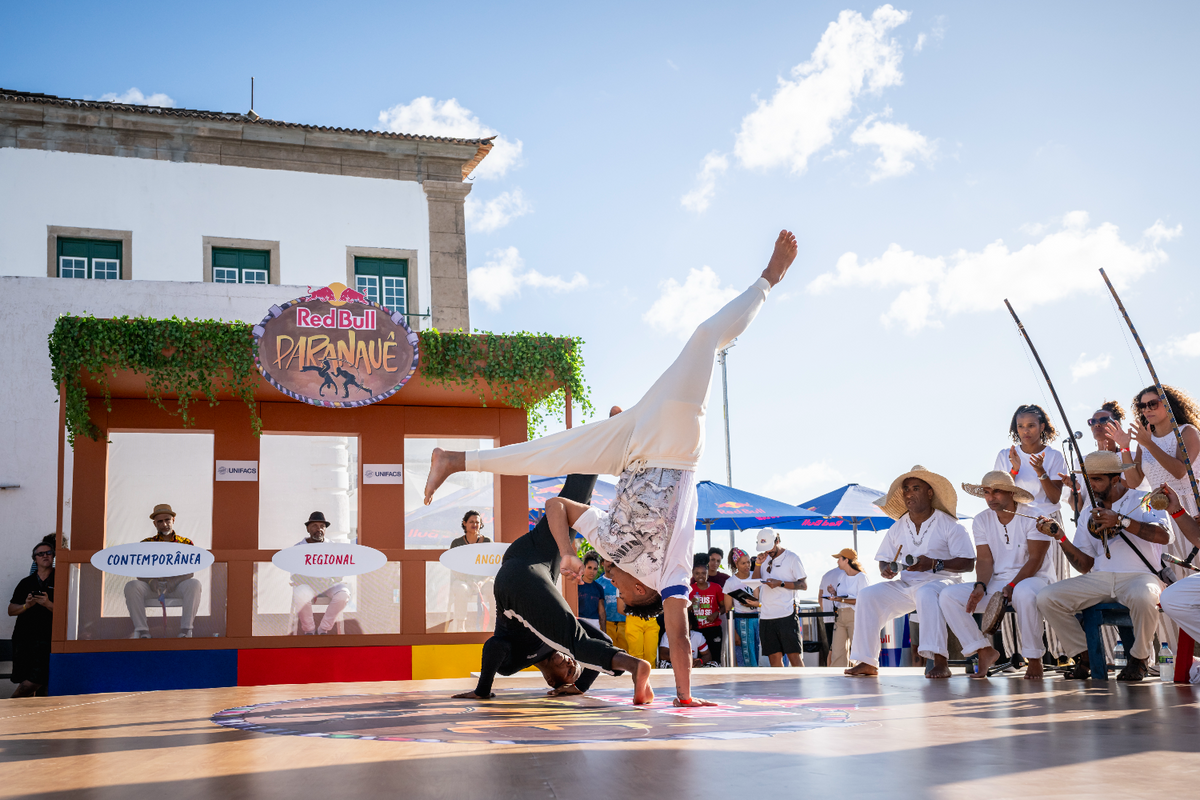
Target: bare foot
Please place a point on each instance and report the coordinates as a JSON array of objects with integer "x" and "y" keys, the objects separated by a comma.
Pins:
[
  {"x": 863, "y": 671},
  {"x": 643, "y": 695},
  {"x": 471, "y": 696},
  {"x": 1034, "y": 671},
  {"x": 940, "y": 668},
  {"x": 782, "y": 258},
  {"x": 565, "y": 690},
  {"x": 987, "y": 657},
  {"x": 443, "y": 464}
]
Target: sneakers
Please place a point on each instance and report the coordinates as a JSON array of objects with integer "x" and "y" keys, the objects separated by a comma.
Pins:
[
  {"x": 140, "y": 634},
  {"x": 185, "y": 634}
]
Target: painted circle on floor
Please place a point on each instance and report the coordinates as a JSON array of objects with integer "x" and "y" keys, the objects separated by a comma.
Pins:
[{"x": 530, "y": 717}]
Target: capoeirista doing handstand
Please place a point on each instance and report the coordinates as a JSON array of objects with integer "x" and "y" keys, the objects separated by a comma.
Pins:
[{"x": 655, "y": 447}]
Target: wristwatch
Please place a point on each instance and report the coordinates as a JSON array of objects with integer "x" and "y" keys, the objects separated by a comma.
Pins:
[
  {"x": 938, "y": 565},
  {"x": 1126, "y": 522}
]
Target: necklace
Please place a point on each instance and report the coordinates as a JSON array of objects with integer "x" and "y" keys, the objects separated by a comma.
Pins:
[{"x": 919, "y": 536}]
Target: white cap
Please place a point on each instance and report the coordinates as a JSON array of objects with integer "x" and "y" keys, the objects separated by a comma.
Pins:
[{"x": 766, "y": 540}]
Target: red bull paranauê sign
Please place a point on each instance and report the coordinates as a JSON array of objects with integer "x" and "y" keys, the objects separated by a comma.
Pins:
[{"x": 335, "y": 348}]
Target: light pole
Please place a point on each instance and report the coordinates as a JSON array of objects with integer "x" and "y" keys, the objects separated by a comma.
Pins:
[{"x": 721, "y": 356}]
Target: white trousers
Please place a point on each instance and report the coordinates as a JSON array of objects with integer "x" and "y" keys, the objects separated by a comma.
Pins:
[
  {"x": 1181, "y": 601},
  {"x": 1030, "y": 622},
  {"x": 137, "y": 593},
  {"x": 1137, "y": 591},
  {"x": 880, "y": 603},
  {"x": 303, "y": 595},
  {"x": 666, "y": 427}
]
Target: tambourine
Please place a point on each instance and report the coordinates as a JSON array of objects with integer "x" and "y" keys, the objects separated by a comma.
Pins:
[
  {"x": 1099, "y": 532},
  {"x": 993, "y": 614},
  {"x": 1158, "y": 500}
]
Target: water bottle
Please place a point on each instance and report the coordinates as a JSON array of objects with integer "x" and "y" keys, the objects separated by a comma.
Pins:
[
  {"x": 1166, "y": 664},
  {"x": 1119, "y": 655}
]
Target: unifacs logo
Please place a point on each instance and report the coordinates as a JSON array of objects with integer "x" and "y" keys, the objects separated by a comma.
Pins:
[
  {"x": 241, "y": 470},
  {"x": 383, "y": 474},
  {"x": 222, "y": 469}
]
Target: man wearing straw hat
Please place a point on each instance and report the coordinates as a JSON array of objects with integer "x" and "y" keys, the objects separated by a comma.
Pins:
[
  {"x": 1128, "y": 572},
  {"x": 926, "y": 548},
  {"x": 1010, "y": 559}
]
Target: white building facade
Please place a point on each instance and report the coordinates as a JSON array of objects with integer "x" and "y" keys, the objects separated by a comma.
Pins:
[{"x": 111, "y": 209}]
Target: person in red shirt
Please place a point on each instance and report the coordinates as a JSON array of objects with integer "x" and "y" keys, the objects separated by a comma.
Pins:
[{"x": 708, "y": 600}]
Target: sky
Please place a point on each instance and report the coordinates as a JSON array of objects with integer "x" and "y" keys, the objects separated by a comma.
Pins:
[{"x": 932, "y": 158}]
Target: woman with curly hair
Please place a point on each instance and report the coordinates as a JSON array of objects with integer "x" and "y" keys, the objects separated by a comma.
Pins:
[
  {"x": 1158, "y": 459},
  {"x": 1031, "y": 462}
]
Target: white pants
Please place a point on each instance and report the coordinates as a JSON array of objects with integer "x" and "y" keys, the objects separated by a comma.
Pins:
[
  {"x": 1181, "y": 601},
  {"x": 138, "y": 592},
  {"x": 1030, "y": 622},
  {"x": 303, "y": 595},
  {"x": 1137, "y": 591},
  {"x": 666, "y": 427},
  {"x": 880, "y": 603}
]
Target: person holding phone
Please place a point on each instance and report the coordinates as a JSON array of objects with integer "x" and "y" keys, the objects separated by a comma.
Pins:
[{"x": 33, "y": 605}]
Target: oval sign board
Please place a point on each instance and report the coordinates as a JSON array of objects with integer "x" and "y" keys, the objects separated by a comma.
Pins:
[
  {"x": 475, "y": 559},
  {"x": 328, "y": 560},
  {"x": 334, "y": 348},
  {"x": 152, "y": 559}
]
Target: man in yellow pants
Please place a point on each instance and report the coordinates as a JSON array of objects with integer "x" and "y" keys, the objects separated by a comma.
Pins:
[
  {"x": 641, "y": 636},
  {"x": 614, "y": 615}
]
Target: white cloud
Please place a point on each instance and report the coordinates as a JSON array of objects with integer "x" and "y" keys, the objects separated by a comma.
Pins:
[
  {"x": 697, "y": 199},
  {"x": 1188, "y": 346},
  {"x": 425, "y": 116},
  {"x": 897, "y": 145},
  {"x": 803, "y": 483},
  {"x": 135, "y": 97},
  {"x": 855, "y": 54},
  {"x": 503, "y": 276},
  {"x": 680, "y": 308},
  {"x": 1084, "y": 366},
  {"x": 920, "y": 45},
  {"x": 936, "y": 35},
  {"x": 492, "y": 215},
  {"x": 1063, "y": 263}
]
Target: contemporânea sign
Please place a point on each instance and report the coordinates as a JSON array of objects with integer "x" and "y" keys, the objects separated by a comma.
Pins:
[
  {"x": 152, "y": 559},
  {"x": 334, "y": 348}
]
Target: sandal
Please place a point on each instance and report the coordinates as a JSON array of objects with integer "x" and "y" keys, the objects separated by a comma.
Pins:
[
  {"x": 1080, "y": 669},
  {"x": 1135, "y": 670}
]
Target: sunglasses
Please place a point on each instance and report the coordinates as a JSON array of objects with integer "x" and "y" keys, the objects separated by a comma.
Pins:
[
  {"x": 47, "y": 553},
  {"x": 1099, "y": 421},
  {"x": 1153, "y": 405}
]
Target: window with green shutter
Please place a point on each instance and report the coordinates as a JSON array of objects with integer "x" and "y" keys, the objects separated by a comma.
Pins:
[
  {"x": 89, "y": 258},
  {"x": 240, "y": 266},
  {"x": 383, "y": 281}
]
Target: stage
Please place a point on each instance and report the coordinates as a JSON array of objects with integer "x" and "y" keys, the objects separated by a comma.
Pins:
[{"x": 784, "y": 732}]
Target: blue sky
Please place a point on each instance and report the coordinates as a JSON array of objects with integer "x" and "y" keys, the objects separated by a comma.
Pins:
[{"x": 933, "y": 158}]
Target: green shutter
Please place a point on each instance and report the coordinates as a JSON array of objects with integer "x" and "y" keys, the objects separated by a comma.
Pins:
[
  {"x": 92, "y": 249},
  {"x": 242, "y": 260},
  {"x": 392, "y": 267}
]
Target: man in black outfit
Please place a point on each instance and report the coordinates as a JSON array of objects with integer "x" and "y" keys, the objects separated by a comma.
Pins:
[
  {"x": 33, "y": 605},
  {"x": 536, "y": 627}
]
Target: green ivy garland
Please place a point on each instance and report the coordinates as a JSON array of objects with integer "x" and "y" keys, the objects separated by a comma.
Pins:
[
  {"x": 186, "y": 357},
  {"x": 196, "y": 358},
  {"x": 524, "y": 370}
]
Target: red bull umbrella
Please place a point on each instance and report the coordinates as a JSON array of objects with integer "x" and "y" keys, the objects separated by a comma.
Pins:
[
  {"x": 725, "y": 508},
  {"x": 543, "y": 488}
]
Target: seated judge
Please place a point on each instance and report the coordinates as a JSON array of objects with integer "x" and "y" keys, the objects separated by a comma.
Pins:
[
  {"x": 184, "y": 588},
  {"x": 1128, "y": 572},
  {"x": 1010, "y": 558},
  {"x": 306, "y": 589}
]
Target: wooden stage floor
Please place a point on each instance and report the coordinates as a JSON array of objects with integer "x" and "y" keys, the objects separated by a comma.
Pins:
[{"x": 778, "y": 733}]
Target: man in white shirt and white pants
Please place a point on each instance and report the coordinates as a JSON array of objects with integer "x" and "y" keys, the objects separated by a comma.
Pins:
[
  {"x": 1127, "y": 574},
  {"x": 782, "y": 575},
  {"x": 923, "y": 504},
  {"x": 1012, "y": 558}
]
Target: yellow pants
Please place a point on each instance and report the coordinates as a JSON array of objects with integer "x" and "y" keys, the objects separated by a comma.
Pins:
[
  {"x": 642, "y": 637},
  {"x": 616, "y": 632}
]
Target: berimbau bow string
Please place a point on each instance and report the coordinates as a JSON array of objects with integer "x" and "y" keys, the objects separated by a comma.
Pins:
[
  {"x": 1070, "y": 435},
  {"x": 1187, "y": 461}
]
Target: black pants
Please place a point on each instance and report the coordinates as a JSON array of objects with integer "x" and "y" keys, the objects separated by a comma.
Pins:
[{"x": 525, "y": 592}]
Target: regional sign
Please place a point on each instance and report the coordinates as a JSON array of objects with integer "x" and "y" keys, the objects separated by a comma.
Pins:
[
  {"x": 475, "y": 559},
  {"x": 329, "y": 559},
  {"x": 334, "y": 348},
  {"x": 152, "y": 559}
]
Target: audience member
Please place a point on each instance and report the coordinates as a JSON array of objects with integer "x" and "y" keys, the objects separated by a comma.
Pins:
[
  {"x": 463, "y": 587},
  {"x": 708, "y": 601},
  {"x": 701, "y": 653},
  {"x": 828, "y": 580},
  {"x": 850, "y": 581},
  {"x": 782, "y": 575},
  {"x": 715, "y": 554},
  {"x": 184, "y": 588},
  {"x": 591, "y": 594},
  {"x": 33, "y": 605},
  {"x": 741, "y": 597},
  {"x": 613, "y": 615}
]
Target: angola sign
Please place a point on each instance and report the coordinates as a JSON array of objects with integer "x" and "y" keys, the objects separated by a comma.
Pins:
[
  {"x": 475, "y": 559},
  {"x": 334, "y": 348}
]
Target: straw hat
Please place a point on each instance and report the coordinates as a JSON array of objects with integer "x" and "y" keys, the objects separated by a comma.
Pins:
[
  {"x": 1104, "y": 462},
  {"x": 161, "y": 508},
  {"x": 944, "y": 496},
  {"x": 998, "y": 480}
]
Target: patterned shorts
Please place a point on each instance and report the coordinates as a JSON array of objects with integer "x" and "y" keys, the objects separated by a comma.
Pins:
[{"x": 642, "y": 520}]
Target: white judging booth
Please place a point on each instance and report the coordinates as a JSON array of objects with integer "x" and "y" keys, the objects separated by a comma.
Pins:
[{"x": 482, "y": 559}]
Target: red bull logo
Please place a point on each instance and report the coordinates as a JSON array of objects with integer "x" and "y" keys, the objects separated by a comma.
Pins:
[
  {"x": 336, "y": 319},
  {"x": 351, "y": 296},
  {"x": 733, "y": 504}
]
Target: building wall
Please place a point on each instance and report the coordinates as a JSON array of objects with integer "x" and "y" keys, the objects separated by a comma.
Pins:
[
  {"x": 170, "y": 206},
  {"x": 28, "y": 399}
]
